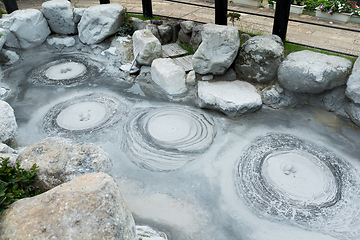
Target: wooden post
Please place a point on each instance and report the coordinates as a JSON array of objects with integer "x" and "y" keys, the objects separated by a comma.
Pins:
[
  {"x": 147, "y": 8},
  {"x": 10, "y": 5},
  {"x": 281, "y": 19},
  {"x": 221, "y": 12}
]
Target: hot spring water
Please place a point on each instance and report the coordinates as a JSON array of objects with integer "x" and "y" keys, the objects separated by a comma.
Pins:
[{"x": 194, "y": 173}]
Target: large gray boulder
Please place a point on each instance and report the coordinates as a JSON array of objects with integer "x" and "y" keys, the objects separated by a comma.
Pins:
[
  {"x": 99, "y": 22},
  {"x": 169, "y": 76},
  {"x": 26, "y": 28},
  {"x": 196, "y": 38},
  {"x": 8, "y": 125},
  {"x": 88, "y": 207},
  {"x": 330, "y": 100},
  {"x": 59, "y": 15},
  {"x": 187, "y": 26},
  {"x": 146, "y": 47},
  {"x": 311, "y": 72},
  {"x": 259, "y": 59},
  {"x": 60, "y": 160},
  {"x": 276, "y": 96},
  {"x": 218, "y": 49},
  {"x": 353, "y": 84},
  {"x": 232, "y": 98}
]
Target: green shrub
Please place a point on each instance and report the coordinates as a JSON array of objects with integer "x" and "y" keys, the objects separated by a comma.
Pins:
[
  {"x": 128, "y": 26},
  {"x": 15, "y": 183}
]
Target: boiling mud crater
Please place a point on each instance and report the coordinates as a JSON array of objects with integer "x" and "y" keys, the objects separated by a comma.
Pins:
[{"x": 194, "y": 173}]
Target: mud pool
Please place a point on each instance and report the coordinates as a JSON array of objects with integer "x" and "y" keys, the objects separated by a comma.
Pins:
[{"x": 195, "y": 173}]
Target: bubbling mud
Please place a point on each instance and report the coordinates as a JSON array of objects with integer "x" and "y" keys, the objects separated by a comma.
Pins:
[
  {"x": 166, "y": 138},
  {"x": 70, "y": 70},
  {"x": 282, "y": 177},
  {"x": 79, "y": 116}
]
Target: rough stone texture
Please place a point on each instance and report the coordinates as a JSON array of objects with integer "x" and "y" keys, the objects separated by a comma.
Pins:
[
  {"x": 8, "y": 125},
  {"x": 154, "y": 30},
  {"x": 6, "y": 149},
  {"x": 18, "y": 24},
  {"x": 191, "y": 78},
  {"x": 12, "y": 56},
  {"x": 165, "y": 33},
  {"x": 259, "y": 59},
  {"x": 138, "y": 23},
  {"x": 187, "y": 26},
  {"x": 232, "y": 98},
  {"x": 59, "y": 15},
  {"x": 228, "y": 76},
  {"x": 196, "y": 39},
  {"x": 8, "y": 152},
  {"x": 88, "y": 207},
  {"x": 218, "y": 49},
  {"x": 330, "y": 100},
  {"x": 183, "y": 37},
  {"x": 122, "y": 47},
  {"x": 353, "y": 84},
  {"x": 146, "y": 47},
  {"x": 78, "y": 13},
  {"x": 60, "y": 160},
  {"x": 244, "y": 37},
  {"x": 353, "y": 110},
  {"x": 61, "y": 42},
  {"x": 169, "y": 76},
  {"x": 99, "y": 22},
  {"x": 311, "y": 72},
  {"x": 175, "y": 28},
  {"x": 147, "y": 233},
  {"x": 3, "y": 32},
  {"x": 276, "y": 96}
]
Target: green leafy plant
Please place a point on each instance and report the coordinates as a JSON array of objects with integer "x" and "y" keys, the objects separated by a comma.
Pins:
[
  {"x": 233, "y": 17},
  {"x": 187, "y": 47},
  {"x": 340, "y": 6},
  {"x": 15, "y": 183},
  {"x": 128, "y": 26},
  {"x": 2, "y": 12}
]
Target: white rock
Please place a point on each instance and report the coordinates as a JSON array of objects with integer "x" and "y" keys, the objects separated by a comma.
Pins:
[
  {"x": 312, "y": 72},
  {"x": 218, "y": 49},
  {"x": 60, "y": 160},
  {"x": 27, "y": 28},
  {"x": 13, "y": 56},
  {"x": 191, "y": 78},
  {"x": 169, "y": 76},
  {"x": 187, "y": 26},
  {"x": 3, "y": 33},
  {"x": 147, "y": 233},
  {"x": 61, "y": 41},
  {"x": 353, "y": 84},
  {"x": 353, "y": 110},
  {"x": 207, "y": 77},
  {"x": 146, "y": 47},
  {"x": 99, "y": 22},
  {"x": 8, "y": 125},
  {"x": 59, "y": 15},
  {"x": 232, "y": 98},
  {"x": 78, "y": 13},
  {"x": 88, "y": 207}
]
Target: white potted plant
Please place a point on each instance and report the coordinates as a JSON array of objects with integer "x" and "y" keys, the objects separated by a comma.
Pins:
[
  {"x": 296, "y": 7},
  {"x": 337, "y": 11}
]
